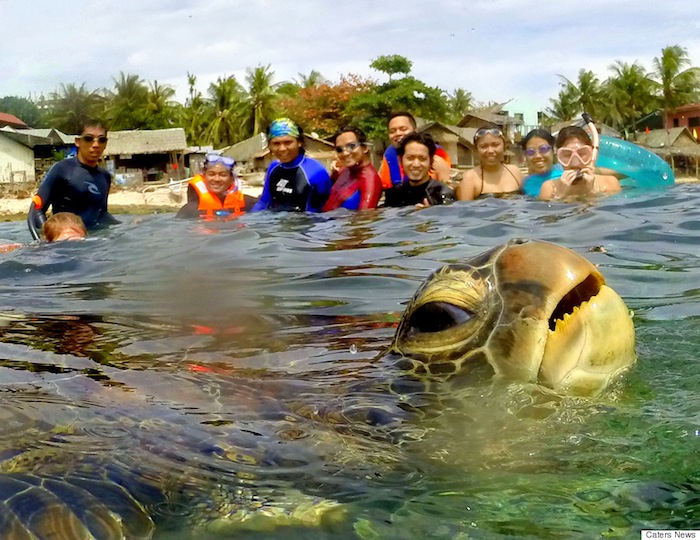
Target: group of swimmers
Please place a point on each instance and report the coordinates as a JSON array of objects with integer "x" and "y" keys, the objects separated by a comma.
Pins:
[{"x": 415, "y": 170}]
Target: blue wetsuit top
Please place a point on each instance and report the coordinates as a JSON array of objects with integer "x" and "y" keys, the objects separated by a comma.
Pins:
[
  {"x": 300, "y": 185},
  {"x": 72, "y": 186},
  {"x": 533, "y": 183}
]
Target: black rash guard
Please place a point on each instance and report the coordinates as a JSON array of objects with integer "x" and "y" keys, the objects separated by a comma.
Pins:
[{"x": 72, "y": 186}]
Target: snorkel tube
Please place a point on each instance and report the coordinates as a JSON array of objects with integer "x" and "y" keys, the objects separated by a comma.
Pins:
[{"x": 595, "y": 137}]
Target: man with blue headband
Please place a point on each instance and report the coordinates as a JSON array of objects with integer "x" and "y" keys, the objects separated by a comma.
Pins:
[{"x": 293, "y": 182}]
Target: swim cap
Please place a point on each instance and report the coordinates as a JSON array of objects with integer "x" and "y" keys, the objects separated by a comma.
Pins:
[{"x": 282, "y": 127}]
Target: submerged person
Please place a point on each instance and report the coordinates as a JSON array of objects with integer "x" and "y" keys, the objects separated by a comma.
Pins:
[
  {"x": 216, "y": 193},
  {"x": 575, "y": 153},
  {"x": 491, "y": 176},
  {"x": 294, "y": 181},
  {"x": 538, "y": 146},
  {"x": 391, "y": 171},
  {"x": 357, "y": 185},
  {"x": 76, "y": 184},
  {"x": 416, "y": 152},
  {"x": 63, "y": 226}
]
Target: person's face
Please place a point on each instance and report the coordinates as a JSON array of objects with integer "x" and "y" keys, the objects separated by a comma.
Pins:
[
  {"x": 575, "y": 155},
  {"x": 350, "y": 157},
  {"x": 91, "y": 144},
  {"x": 543, "y": 158},
  {"x": 285, "y": 148},
  {"x": 399, "y": 127},
  {"x": 218, "y": 178},
  {"x": 416, "y": 162},
  {"x": 490, "y": 149}
]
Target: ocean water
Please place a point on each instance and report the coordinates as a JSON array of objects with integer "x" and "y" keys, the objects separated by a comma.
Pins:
[{"x": 229, "y": 377}]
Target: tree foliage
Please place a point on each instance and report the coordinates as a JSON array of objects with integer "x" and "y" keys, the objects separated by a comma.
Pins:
[
  {"x": 23, "y": 108},
  {"x": 391, "y": 64},
  {"x": 70, "y": 106}
]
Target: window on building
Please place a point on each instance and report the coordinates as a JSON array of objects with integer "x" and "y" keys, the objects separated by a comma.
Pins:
[
  {"x": 675, "y": 122},
  {"x": 694, "y": 121}
]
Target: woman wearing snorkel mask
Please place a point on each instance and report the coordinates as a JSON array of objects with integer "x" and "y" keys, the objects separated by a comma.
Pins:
[
  {"x": 492, "y": 176},
  {"x": 216, "y": 193},
  {"x": 575, "y": 154}
]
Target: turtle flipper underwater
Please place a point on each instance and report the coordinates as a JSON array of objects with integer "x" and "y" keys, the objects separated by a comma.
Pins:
[{"x": 528, "y": 310}]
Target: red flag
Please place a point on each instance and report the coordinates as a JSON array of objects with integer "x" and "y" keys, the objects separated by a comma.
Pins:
[{"x": 647, "y": 129}]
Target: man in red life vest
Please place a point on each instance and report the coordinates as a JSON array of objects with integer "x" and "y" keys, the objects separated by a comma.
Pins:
[{"x": 216, "y": 193}]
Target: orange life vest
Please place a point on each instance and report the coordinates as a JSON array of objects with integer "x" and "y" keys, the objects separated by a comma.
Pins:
[{"x": 209, "y": 203}]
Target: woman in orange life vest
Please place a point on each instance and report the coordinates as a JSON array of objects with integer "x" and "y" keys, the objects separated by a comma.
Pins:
[{"x": 216, "y": 193}]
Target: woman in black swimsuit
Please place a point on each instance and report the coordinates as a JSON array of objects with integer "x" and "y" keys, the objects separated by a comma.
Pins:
[{"x": 492, "y": 176}]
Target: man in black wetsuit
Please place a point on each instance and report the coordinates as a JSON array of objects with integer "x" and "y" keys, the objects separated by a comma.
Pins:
[
  {"x": 416, "y": 152},
  {"x": 76, "y": 184}
]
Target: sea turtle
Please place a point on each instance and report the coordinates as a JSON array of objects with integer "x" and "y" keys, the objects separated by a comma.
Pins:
[{"x": 531, "y": 310}]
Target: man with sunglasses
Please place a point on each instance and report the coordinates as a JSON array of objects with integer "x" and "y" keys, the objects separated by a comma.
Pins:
[{"x": 76, "y": 184}]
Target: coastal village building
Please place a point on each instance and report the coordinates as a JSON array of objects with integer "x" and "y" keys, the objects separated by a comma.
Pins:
[
  {"x": 253, "y": 155},
  {"x": 16, "y": 165},
  {"x": 676, "y": 145},
  {"x": 146, "y": 155},
  {"x": 685, "y": 116},
  {"x": 7, "y": 119}
]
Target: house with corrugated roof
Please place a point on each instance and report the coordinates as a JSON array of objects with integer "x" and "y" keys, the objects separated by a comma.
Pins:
[
  {"x": 7, "y": 119},
  {"x": 676, "y": 145},
  {"x": 157, "y": 154},
  {"x": 458, "y": 142},
  {"x": 16, "y": 164}
]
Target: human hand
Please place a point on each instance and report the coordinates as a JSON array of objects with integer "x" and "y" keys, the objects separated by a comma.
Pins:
[{"x": 423, "y": 204}]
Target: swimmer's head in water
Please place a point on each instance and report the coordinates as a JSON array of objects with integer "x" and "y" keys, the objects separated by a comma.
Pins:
[{"x": 63, "y": 226}]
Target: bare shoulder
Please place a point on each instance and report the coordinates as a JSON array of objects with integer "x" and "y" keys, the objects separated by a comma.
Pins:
[
  {"x": 515, "y": 170},
  {"x": 547, "y": 190},
  {"x": 466, "y": 188},
  {"x": 608, "y": 183}
]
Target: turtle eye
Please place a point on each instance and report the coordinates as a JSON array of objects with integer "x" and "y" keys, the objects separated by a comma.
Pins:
[{"x": 436, "y": 317}]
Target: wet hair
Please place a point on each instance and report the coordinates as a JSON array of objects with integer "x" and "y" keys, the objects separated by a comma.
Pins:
[
  {"x": 361, "y": 137},
  {"x": 422, "y": 138},
  {"x": 573, "y": 132},
  {"x": 55, "y": 225},
  {"x": 540, "y": 133},
  {"x": 407, "y": 114},
  {"x": 92, "y": 123}
]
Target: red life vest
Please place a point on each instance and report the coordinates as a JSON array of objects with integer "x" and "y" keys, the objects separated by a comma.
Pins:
[{"x": 209, "y": 203}]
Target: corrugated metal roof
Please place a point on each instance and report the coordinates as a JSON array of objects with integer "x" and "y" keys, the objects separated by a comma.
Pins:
[
  {"x": 11, "y": 120},
  {"x": 157, "y": 141}
]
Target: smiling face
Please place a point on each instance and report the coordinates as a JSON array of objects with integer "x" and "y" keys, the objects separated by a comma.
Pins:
[
  {"x": 351, "y": 157},
  {"x": 218, "y": 178},
  {"x": 91, "y": 145},
  {"x": 542, "y": 160},
  {"x": 399, "y": 127},
  {"x": 285, "y": 148},
  {"x": 416, "y": 162},
  {"x": 490, "y": 149}
]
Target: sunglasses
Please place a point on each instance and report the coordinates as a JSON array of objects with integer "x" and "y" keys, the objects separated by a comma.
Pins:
[
  {"x": 542, "y": 150},
  {"x": 102, "y": 139},
  {"x": 213, "y": 159},
  {"x": 348, "y": 147},
  {"x": 487, "y": 131},
  {"x": 583, "y": 153}
]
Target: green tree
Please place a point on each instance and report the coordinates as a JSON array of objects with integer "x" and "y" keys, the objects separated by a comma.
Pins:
[
  {"x": 678, "y": 86},
  {"x": 23, "y": 108},
  {"x": 460, "y": 102},
  {"x": 630, "y": 94},
  {"x": 314, "y": 78},
  {"x": 259, "y": 103},
  {"x": 127, "y": 106},
  {"x": 71, "y": 105},
  {"x": 196, "y": 113},
  {"x": 226, "y": 96},
  {"x": 162, "y": 111},
  {"x": 391, "y": 64}
]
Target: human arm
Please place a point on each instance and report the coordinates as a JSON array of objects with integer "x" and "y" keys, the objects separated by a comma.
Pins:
[
  {"x": 321, "y": 185},
  {"x": 370, "y": 188},
  {"x": 442, "y": 169},
  {"x": 466, "y": 189},
  {"x": 547, "y": 190},
  {"x": 41, "y": 202}
]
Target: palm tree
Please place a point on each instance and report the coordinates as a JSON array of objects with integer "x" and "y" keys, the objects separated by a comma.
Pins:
[
  {"x": 566, "y": 106},
  {"x": 196, "y": 114},
  {"x": 259, "y": 103},
  {"x": 630, "y": 93},
  {"x": 460, "y": 102},
  {"x": 678, "y": 86},
  {"x": 226, "y": 96},
  {"x": 128, "y": 103},
  {"x": 161, "y": 108},
  {"x": 314, "y": 78},
  {"x": 70, "y": 106}
]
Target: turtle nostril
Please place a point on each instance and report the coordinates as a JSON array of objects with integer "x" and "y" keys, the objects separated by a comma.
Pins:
[{"x": 437, "y": 316}]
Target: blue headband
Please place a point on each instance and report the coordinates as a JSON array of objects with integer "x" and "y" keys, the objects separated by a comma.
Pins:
[{"x": 282, "y": 127}]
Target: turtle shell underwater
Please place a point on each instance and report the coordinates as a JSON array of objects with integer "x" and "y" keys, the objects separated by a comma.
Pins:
[{"x": 531, "y": 310}]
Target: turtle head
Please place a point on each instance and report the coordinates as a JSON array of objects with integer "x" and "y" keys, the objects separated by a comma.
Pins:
[{"x": 532, "y": 311}]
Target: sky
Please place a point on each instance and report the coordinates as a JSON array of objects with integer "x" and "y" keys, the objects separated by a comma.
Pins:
[{"x": 499, "y": 50}]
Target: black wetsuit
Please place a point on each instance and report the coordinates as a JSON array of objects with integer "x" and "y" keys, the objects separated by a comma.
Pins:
[
  {"x": 72, "y": 186},
  {"x": 405, "y": 194}
]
